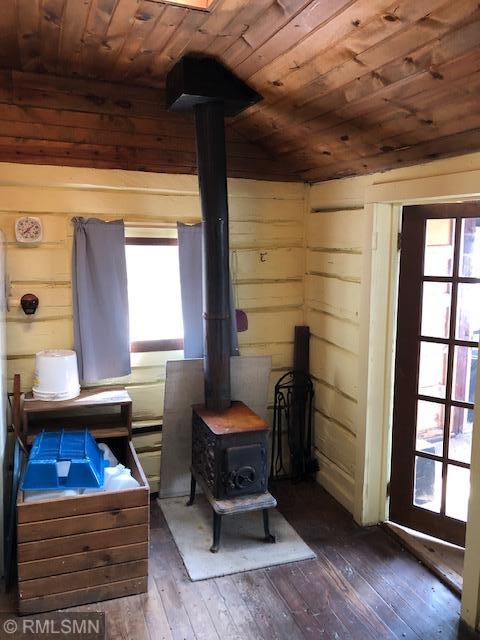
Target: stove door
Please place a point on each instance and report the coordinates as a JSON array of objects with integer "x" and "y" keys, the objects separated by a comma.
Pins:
[{"x": 244, "y": 470}]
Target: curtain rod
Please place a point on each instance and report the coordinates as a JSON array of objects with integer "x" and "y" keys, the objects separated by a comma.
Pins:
[{"x": 161, "y": 225}]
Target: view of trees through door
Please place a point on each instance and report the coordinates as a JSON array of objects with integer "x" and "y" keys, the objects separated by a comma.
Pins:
[{"x": 436, "y": 366}]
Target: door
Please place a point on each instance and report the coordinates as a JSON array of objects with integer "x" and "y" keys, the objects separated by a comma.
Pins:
[
  {"x": 435, "y": 368},
  {"x": 3, "y": 392}
]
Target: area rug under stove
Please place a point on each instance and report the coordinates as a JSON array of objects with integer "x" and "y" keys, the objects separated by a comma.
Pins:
[{"x": 241, "y": 548}]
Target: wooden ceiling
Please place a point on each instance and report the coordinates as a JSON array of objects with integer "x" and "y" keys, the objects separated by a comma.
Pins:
[{"x": 349, "y": 86}]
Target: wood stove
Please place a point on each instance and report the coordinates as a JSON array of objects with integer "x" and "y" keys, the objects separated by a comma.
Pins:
[
  {"x": 229, "y": 441},
  {"x": 229, "y": 450}
]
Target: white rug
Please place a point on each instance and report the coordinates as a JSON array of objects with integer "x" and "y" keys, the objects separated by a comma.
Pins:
[{"x": 241, "y": 546}]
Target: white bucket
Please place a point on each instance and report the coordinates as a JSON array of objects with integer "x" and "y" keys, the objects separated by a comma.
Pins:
[{"x": 56, "y": 375}]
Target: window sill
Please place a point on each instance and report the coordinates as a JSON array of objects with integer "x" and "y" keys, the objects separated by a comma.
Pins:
[{"x": 142, "y": 346}]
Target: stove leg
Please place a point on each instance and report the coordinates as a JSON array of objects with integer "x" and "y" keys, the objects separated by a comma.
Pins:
[
  {"x": 193, "y": 486},
  {"x": 266, "y": 527},
  {"x": 217, "y": 529}
]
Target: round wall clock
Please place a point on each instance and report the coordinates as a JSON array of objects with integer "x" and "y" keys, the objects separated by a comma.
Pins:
[{"x": 28, "y": 229}]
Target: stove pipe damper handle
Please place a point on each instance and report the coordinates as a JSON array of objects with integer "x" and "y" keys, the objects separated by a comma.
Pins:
[{"x": 212, "y": 92}]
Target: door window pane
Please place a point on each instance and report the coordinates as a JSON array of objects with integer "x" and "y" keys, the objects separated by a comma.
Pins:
[
  {"x": 470, "y": 248},
  {"x": 439, "y": 242},
  {"x": 468, "y": 312},
  {"x": 436, "y": 309},
  {"x": 460, "y": 443},
  {"x": 430, "y": 422},
  {"x": 464, "y": 373},
  {"x": 433, "y": 369},
  {"x": 458, "y": 492},
  {"x": 428, "y": 484}
]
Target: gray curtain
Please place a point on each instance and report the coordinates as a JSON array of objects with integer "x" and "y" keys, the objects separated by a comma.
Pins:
[
  {"x": 100, "y": 299},
  {"x": 190, "y": 257}
]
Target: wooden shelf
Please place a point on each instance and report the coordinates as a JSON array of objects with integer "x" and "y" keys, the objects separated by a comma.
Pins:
[
  {"x": 105, "y": 411},
  {"x": 99, "y": 396},
  {"x": 99, "y": 433}
]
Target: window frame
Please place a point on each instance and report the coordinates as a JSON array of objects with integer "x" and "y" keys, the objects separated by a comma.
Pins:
[{"x": 168, "y": 344}]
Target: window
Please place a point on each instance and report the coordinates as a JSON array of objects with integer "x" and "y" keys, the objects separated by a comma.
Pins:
[{"x": 154, "y": 294}]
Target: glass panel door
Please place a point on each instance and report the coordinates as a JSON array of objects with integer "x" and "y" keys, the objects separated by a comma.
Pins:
[{"x": 436, "y": 366}]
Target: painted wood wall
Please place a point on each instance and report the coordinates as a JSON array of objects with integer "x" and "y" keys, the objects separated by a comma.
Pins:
[
  {"x": 267, "y": 264},
  {"x": 338, "y": 246},
  {"x": 289, "y": 267}
]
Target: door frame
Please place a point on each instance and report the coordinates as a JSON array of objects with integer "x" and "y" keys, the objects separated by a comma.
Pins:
[{"x": 383, "y": 207}]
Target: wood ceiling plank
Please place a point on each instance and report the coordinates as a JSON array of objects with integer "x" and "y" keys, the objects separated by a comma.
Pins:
[
  {"x": 420, "y": 117},
  {"x": 178, "y": 126},
  {"x": 301, "y": 26},
  {"x": 143, "y": 23},
  {"x": 380, "y": 128},
  {"x": 94, "y": 97},
  {"x": 9, "y": 49},
  {"x": 214, "y": 26},
  {"x": 198, "y": 32},
  {"x": 103, "y": 137},
  {"x": 7, "y": 154},
  {"x": 93, "y": 38},
  {"x": 327, "y": 59},
  {"x": 175, "y": 125},
  {"x": 287, "y": 71},
  {"x": 387, "y": 52},
  {"x": 248, "y": 15},
  {"x": 454, "y": 118},
  {"x": 51, "y": 19},
  {"x": 143, "y": 111},
  {"x": 420, "y": 66},
  {"x": 427, "y": 81},
  {"x": 115, "y": 155},
  {"x": 379, "y": 71},
  {"x": 28, "y": 20},
  {"x": 112, "y": 153},
  {"x": 365, "y": 138},
  {"x": 176, "y": 46},
  {"x": 457, "y": 71},
  {"x": 276, "y": 16},
  {"x": 74, "y": 21},
  {"x": 106, "y": 46},
  {"x": 6, "y": 86},
  {"x": 459, "y": 143},
  {"x": 81, "y": 86},
  {"x": 87, "y": 102},
  {"x": 163, "y": 30},
  {"x": 78, "y": 119},
  {"x": 367, "y": 110},
  {"x": 348, "y": 85}
]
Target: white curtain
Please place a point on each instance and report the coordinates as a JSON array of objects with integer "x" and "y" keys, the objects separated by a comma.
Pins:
[{"x": 190, "y": 257}]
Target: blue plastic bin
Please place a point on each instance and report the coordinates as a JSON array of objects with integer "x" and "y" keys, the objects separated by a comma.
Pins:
[{"x": 73, "y": 452}]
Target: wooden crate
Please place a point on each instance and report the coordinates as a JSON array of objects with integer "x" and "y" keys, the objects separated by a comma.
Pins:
[{"x": 84, "y": 549}]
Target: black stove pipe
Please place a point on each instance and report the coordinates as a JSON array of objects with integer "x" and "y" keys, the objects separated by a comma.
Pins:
[
  {"x": 212, "y": 178},
  {"x": 212, "y": 92}
]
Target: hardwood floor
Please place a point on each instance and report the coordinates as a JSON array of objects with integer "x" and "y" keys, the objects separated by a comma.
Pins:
[{"x": 362, "y": 586}]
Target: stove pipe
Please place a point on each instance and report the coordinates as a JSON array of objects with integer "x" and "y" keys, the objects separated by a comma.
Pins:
[
  {"x": 212, "y": 179},
  {"x": 213, "y": 92}
]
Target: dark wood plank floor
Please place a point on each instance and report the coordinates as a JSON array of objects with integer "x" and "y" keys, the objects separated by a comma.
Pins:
[{"x": 362, "y": 586}]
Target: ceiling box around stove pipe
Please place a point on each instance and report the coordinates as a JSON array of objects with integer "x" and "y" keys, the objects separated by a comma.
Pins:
[{"x": 229, "y": 441}]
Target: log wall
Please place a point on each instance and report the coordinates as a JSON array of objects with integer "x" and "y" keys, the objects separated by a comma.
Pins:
[
  {"x": 338, "y": 247},
  {"x": 267, "y": 265}
]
